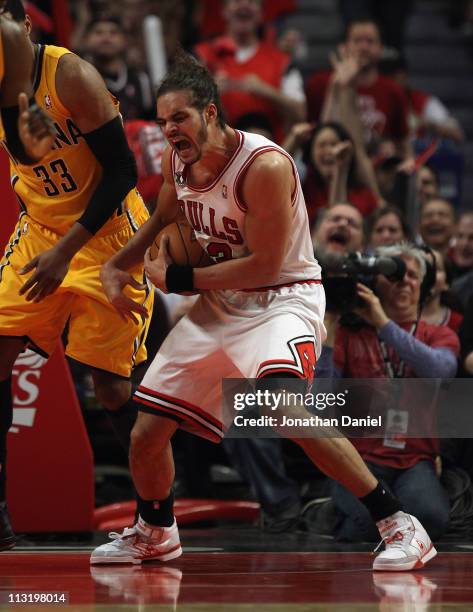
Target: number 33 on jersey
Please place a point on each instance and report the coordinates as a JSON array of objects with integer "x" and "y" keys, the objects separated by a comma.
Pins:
[{"x": 56, "y": 191}]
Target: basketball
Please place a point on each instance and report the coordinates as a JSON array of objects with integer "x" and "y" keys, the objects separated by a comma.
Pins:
[{"x": 183, "y": 245}]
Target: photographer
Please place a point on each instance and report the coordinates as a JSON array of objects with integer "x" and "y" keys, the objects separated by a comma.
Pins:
[{"x": 393, "y": 343}]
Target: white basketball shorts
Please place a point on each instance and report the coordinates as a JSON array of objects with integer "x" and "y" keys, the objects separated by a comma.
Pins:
[{"x": 232, "y": 334}]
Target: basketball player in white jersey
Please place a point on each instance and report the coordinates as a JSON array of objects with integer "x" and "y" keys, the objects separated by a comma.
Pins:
[{"x": 260, "y": 314}]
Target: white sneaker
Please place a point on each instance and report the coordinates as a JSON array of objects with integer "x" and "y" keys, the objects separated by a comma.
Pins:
[
  {"x": 142, "y": 542},
  {"x": 408, "y": 545}
]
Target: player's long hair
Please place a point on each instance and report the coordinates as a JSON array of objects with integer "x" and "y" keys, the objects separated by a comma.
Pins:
[{"x": 188, "y": 74}]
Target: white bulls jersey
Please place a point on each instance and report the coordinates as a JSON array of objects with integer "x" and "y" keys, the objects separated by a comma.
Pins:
[{"x": 217, "y": 212}]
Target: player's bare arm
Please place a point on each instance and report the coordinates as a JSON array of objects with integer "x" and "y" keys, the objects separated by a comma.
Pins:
[
  {"x": 114, "y": 275},
  {"x": 266, "y": 190},
  {"x": 82, "y": 91},
  {"x": 29, "y": 131}
]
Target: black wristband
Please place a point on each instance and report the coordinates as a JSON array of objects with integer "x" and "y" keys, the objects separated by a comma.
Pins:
[{"x": 179, "y": 278}]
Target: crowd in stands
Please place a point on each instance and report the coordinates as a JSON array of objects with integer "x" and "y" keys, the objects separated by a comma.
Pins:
[{"x": 354, "y": 132}]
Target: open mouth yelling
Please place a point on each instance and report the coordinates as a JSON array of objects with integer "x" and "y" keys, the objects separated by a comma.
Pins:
[
  {"x": 338, "y": 237},
  {"x": 243, "y": 15},
  {"x": 435, "y": 230},
  {"x": 181, "y": 146}
]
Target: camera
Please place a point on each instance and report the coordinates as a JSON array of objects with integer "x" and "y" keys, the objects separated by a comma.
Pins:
[{"x": 342, "y": 273}]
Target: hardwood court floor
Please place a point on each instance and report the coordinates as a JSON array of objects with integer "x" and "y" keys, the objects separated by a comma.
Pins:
[{"x": 216, "y": 579}]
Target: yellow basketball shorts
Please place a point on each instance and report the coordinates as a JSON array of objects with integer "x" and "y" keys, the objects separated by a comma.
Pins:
[{"x": 97, "y": 336}]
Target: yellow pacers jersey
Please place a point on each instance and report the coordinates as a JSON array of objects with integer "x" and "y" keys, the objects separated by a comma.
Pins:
[{"x": 56, "y": 191}]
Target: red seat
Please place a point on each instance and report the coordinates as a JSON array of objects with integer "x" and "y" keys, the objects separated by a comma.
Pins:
[{"x": 119, "y": 515}]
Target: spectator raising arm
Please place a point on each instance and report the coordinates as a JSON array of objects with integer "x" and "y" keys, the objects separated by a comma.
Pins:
[
  {"x": 298, "y": 135},
  {"x": 341, "y": 106},
  {"x": 292, "y": 109},
  {"x": 342, "y": 153}
]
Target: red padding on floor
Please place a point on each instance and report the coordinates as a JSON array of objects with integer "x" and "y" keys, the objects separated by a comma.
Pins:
[{"x": 187, "y": 511}]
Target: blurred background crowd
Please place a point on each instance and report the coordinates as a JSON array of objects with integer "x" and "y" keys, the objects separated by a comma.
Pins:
[{"x": 374, "y": 102}]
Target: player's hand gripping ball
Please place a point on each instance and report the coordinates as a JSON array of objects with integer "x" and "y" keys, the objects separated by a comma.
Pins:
[
  {"x": 183, "y": 246},
  {"x": 183, "y": 249}
]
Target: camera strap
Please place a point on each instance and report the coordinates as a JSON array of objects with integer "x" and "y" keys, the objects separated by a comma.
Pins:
[{"x": 388, "y": 365}]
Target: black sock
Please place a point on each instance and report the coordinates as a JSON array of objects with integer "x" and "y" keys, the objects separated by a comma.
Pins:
[
  {"x": 159, "y": 513},
  {"x": 381, "y": 503},
  {"x": 6, "y": 420},
  {"x": 122, "y": 421}
]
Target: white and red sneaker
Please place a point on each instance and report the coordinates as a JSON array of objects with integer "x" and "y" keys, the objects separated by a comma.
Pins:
[
  {"x": 408, "y": 545},
  {"x": 143, "y": 542}
]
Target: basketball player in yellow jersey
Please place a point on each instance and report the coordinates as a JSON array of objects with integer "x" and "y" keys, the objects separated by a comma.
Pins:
[
  {"x": 79, "y": 207},
  {"x": 29, "y": 131}
]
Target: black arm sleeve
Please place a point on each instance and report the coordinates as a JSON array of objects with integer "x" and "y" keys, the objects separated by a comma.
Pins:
[
  {"x": 15, "y": 146},
  {"x": 109, "y": 145}
]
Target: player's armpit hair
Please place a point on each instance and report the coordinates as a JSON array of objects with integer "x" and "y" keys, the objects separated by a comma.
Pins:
[
  {"x": 10, "y": 125},
  {"x": 109, "y": 145}
]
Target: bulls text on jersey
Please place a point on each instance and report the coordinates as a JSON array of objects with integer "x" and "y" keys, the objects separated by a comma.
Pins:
[{"x": 204, "y": 219}]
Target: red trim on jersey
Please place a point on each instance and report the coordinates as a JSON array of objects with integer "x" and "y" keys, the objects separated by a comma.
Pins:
[
  {"x": 277, "y": 362},
  {"x": 181, "y": 403},
  {"x": 278, "y": 370},
  {"x": 278, "y": 366},
  {"x": 211, "y": 185},
  {"x": 296, "y": 182},
  {"x": 156, "y": 410},
  {"x": 273, "y": 366},
  {"x": 298, "y": 282},
  {"x": 241, "y": 205}
]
